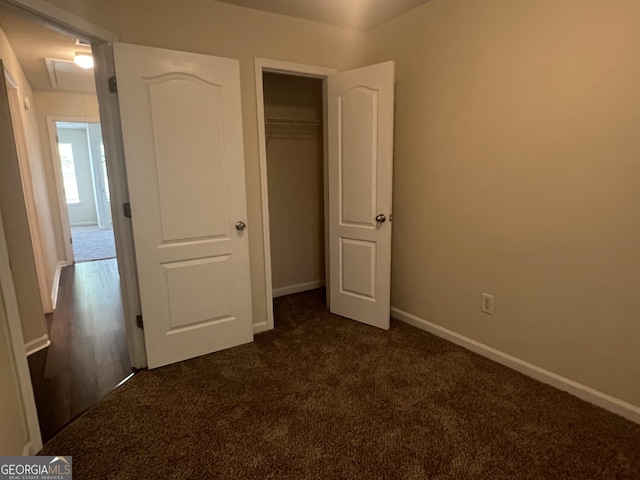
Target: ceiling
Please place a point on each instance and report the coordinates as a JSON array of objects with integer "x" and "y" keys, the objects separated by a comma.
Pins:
[
  {"x": 360, "y": 14},
  {"x": 33, "y": 43}
]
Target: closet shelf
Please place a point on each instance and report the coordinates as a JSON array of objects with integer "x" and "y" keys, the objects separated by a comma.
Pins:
[{"x": 291, "y": 128}]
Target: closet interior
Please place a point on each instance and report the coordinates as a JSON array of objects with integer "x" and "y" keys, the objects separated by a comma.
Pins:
[{"x": 293, "y": 110}]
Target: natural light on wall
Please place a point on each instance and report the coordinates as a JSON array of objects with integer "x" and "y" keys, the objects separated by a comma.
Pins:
[{"x": 69, "y": 173}]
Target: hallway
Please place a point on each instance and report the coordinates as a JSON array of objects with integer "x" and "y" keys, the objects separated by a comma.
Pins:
[{"x": 88, "y": 354}]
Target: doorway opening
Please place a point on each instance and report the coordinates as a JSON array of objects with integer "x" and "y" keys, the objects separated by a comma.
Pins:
[
  {"x": 85, "y": 186},
  {"x": 295, "y": 158},
  {"x": 292, "y": 118},
  {"x": 88, "y": 349},
  {"x": 358, "y": 160}
]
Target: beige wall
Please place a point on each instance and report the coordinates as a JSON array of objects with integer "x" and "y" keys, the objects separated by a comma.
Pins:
[
  {"x": 78, "y": 107},
  {"x": 13, "y": 434},
  {"x": 295, "y": 166},
  {"x": 517, "y": 174},
  {"x": 14, "y": 211},
  {"x": 206, "y": 26}
]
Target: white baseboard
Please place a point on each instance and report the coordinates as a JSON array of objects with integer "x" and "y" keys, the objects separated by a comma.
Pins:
[
  {"x": 83, "y": 224},
  {"x": 300, "y": 287},
  {"x": 260, "y": 327},
  {"x": 56, "y": 284},
  {"x": 38, "y": 344},
  {"x": 615, "y": 405}
]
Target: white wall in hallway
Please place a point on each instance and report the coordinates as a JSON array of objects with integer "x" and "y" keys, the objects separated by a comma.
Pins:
[{"x": 83, "y": 212}]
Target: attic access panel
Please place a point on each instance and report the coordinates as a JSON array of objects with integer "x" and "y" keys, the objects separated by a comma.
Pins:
[{"x": 66, "y": 75}]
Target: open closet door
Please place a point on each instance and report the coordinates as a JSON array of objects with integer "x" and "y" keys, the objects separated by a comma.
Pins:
[
  {"x": 360, "y": 126},
  {"x": 182, "y": 132}
]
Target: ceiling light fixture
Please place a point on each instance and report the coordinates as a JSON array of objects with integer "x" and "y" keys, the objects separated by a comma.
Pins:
[{"x": 83, "y": 60}]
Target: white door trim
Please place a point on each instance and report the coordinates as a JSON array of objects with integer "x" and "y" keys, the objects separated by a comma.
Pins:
[
  {"x": 16, "y": 107},
  {"x": 119, "y": 190},
  {"x": 9, "y": 302},
  {"x": 57, "y": 174},
  {"x": 8, "y": 297},
  {"x": 301, "y": 70}
]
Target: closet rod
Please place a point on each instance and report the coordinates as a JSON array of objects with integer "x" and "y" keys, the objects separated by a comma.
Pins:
[{"x": 290, "y": 122}]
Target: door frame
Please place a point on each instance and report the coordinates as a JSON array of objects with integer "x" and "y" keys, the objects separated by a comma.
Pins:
[
  {"x": 8, "y": 298},
  {"x": 263, "y": 65},
  {"x": 101, "y": 40},
  {"x": 119, "y": 190},
  {"x": 52, "y": 130},
  {"x": 27, "y": 187},
  {"x": 9, "y": 302}
]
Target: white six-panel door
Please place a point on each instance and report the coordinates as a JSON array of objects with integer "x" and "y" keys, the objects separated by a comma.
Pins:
[
  {"x": 182, "y": 132},
  {"x": 360, "y": 123}
]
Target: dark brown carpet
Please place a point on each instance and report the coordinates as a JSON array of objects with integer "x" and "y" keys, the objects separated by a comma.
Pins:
[{"x": 321, "y": 397}]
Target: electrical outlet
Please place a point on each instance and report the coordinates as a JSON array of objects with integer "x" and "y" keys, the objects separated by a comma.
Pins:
[{"x": 487, "y": 304}]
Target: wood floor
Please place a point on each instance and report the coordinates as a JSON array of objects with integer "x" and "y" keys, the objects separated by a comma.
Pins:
[{"x": 88, "y": 354}]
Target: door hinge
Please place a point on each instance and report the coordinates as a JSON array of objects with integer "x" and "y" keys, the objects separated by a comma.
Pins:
[
  {"x": 139, "y": 321},
  {"x": 127, "y": 209},
  {"x": 113, "y": 85},
  {"x": 71, "y": 240}
]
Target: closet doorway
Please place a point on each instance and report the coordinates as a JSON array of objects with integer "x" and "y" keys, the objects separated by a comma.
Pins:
[
  {"x": 292, "y": 114},
  {"x": 295, "y": 172}
]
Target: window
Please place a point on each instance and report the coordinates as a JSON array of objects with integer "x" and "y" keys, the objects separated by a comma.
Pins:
[{"x": 68, "y": 173}]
